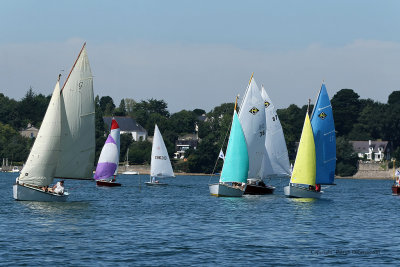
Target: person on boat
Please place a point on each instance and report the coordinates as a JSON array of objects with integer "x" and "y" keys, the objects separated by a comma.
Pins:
[
  {"x": 58, "y": 188},
  {"x": 153, "y": 180},
  {"x": 318, "y": 187}
]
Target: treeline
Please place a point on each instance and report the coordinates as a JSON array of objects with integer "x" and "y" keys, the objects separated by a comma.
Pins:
[{"x": 355, "y": 119}]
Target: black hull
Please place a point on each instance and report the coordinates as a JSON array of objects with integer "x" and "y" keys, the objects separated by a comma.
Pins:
[{"x": 259, "y": 190}]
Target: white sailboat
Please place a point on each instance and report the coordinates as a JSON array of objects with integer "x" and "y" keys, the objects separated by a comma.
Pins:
[
  {"x": 160, "y": 163},
  {"x": 252, "y": 119},
  {"x": 126, "y": 172},
  {"x": 65, "y": 145}
]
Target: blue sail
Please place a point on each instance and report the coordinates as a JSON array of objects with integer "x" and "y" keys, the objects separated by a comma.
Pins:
[
  {"x": 325, "y": 139},
  {"x": 236, "y": 163}
]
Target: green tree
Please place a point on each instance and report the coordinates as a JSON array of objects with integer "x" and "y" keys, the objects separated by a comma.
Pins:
[
  {"x": 121, "y": 110},
  {"x": 346, "y": 109},
  {"x": 347, "y": 159}
]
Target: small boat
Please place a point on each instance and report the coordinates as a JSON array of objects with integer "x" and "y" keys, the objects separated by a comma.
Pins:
[
  {"x": 65, "y": 144},
  {"x": 323, "y": 128},
  {"x": 302, "y": 182},
  {"x": 15, "y": 169},
  {"x": 126, "y": 172},
  {"x": 233, "y": 179},
  {"x": 107, "y": 166},
  {"x": 160, "y": 165},
  {"x": 396, "y": 181}
]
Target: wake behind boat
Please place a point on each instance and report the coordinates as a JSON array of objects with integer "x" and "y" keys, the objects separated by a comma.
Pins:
[
  {"x": 65, "y": 144},
  {"x": 107, "y": 167}
]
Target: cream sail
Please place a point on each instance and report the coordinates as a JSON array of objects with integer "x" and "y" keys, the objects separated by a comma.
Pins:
[{"x": 65, "y": 144}]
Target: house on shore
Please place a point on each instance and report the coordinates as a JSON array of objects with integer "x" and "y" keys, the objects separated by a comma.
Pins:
[
  {"x": 372, "y": 150},
  {"x": 184, "y": 143},
  {"x": 128, "y": 125},
  {"x": 30, "y": 131}
]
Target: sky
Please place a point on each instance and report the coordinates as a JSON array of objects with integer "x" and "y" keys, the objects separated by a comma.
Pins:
[{"x": 200, "y": 54}]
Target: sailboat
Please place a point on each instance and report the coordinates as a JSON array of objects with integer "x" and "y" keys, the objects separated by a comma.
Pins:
[
  {"x": 233, "y": 179},
  {"x": 396, "y": 181},
  {"x": 252, "y": 120},
  {"x": 65, "y": 144},
  {"x": 126, "y": 172},
  {"x": 107, "y": 166},
  {"x": 160, "y": 165},
  {"x": 302, "y": 182},
  {"x": 323, "y": 128}
]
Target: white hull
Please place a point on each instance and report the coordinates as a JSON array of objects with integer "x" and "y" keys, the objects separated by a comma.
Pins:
[
  {"x": 150, "y": 183},
  {"x": 224, "y": 190},
  {"x": 130, "y": 173},
  {"x": 300, "y": 192},
  {"x": 26, "y": 193}
]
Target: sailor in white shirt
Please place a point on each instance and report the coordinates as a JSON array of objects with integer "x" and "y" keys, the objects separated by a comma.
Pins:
[{"x": 58, "y": 188}]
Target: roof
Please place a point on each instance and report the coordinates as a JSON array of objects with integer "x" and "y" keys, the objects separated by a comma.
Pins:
[
  {"x": 363, "y": 146},
  {"x": 126, "y": 124}
]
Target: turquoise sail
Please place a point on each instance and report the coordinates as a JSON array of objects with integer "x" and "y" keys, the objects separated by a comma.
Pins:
[
  {"x": 324, "y": 137},
  {"x": 236, "y": 164}
]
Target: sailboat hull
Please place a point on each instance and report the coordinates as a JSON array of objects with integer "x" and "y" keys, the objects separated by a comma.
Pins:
[
  {"x": 26, "y": 193},
  {"x": 395, "y": 190},
  {"x": 107, "y": 183},
  {"x": 300, "y": 192},
  {"x": 224, "y": 190},
  {"x": 257, "y": 187},
  {"x": 150, "y": 183}
]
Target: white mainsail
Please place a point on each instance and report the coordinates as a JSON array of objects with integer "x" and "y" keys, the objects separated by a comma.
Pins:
[
  {"x": 77, "y": 147},
  {"x": 252, "y": 119},
  {"x": 160, "y": 162},
  {"x": 42, "y": 160},
  {"x": 275, "y": 160}
]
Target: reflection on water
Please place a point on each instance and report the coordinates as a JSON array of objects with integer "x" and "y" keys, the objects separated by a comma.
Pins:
[
  {"x": 50, "y": 208},
  {"x": 302, "y": 200}
]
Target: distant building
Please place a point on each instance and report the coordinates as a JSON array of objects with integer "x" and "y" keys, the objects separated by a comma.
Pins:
[
  {"x": 128, "y": 125},
  {"x": 372, "y": 150},
  {"x": 184, "y": 143},
  {"x": 30, "y": 131}
]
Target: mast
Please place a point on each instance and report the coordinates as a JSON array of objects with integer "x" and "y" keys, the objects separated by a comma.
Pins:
[{"x": 73, "y": 66}]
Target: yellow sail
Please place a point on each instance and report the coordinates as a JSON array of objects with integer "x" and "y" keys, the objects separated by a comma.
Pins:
[{"x": 304, "y": 170}]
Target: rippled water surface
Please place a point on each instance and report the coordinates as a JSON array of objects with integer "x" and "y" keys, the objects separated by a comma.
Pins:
[{"x": 356, "y": 223}]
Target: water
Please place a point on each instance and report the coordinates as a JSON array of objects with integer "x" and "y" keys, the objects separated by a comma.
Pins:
[{"x": 355, "y": 224}]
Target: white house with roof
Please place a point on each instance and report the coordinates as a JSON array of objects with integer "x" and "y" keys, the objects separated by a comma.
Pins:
[
  {"x": 128, "y": 125},
  {"x": 373, "y": 150}
]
